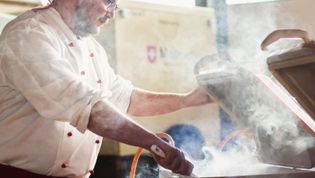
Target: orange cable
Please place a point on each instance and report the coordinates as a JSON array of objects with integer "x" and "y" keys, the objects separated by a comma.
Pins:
[
  {"x": 138, "y": 153},
  {"x": 234, "y": 134}
]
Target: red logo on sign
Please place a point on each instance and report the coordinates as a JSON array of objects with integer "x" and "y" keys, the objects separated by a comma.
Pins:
[{"x": 151, "y": 53}]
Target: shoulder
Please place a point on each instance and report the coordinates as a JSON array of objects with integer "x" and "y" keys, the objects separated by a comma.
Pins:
[
  {"x": 28, "y": 24},
  {"x": 28, "y": 30},
  {"x": 21, "y": 22}
]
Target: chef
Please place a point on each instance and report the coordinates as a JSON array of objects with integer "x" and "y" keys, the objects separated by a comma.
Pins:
[{"x": 59, "y": 97}]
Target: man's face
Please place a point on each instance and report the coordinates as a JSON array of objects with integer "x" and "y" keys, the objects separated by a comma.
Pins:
[{"x": 90, "y": 15}]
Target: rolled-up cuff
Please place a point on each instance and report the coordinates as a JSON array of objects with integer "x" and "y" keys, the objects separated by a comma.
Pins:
[
  {"x": 124, "y": 100},
  {"x": 81, "y": 122}
]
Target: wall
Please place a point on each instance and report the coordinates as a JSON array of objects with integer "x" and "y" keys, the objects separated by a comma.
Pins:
[
  {"x": 4, "y": 19},
  {"x": 177, "y": 38}
]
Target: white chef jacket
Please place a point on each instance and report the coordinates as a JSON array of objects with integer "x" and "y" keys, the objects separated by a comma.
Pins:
[{"x": 49, "y": 81}]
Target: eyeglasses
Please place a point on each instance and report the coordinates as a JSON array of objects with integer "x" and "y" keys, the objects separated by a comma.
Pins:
[{"x": 112, "y": 6}]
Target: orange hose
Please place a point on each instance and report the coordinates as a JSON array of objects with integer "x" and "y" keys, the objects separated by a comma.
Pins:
[
  {"x": 234, "y": 134},
  {"x": 138, "y": 153}
]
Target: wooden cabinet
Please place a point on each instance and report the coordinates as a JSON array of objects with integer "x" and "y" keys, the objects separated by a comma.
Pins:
[{"x": 295, "y": 70}]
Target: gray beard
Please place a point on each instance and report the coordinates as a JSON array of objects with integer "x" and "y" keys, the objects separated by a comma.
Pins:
[{"x": 82, "y": 25}]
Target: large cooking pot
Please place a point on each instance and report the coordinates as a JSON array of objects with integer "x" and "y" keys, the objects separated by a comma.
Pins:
[{"x": 256, "y": 102}]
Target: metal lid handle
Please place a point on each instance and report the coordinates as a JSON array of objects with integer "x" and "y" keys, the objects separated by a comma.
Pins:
[{"x": 285, "y": 33}]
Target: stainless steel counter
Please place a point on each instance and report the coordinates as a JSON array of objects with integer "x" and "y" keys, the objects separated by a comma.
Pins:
[{"x": 265, "y": 171}]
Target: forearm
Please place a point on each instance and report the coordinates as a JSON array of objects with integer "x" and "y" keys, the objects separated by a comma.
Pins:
[
  {"x": 106, "y": 121},
  {"x": 146, "y": 103}
]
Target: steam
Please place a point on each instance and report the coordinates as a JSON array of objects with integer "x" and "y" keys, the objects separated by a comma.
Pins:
[
  {"x": 146, "y": 170},
  {"x": 249, "y": 28},
  {"x": 217, "y": 163}
]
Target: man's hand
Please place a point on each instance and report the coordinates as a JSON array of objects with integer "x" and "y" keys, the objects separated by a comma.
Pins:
[
  {"x": 174, "y": 159},
  {"x": 196, "y": 98}
]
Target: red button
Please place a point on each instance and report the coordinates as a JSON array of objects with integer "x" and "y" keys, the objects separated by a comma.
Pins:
[
  {"x": 63, "y": 165},
  {"x": 82, "y": 72},
  {"x": 69, "y": 134},
  {"x": 91, "y": 54},
  {"x": 99, "y": 81},
  {"x": 71, "y": 44},
  {"x": 97, "y": 141},
  {"x": 91, "y": 171}
]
